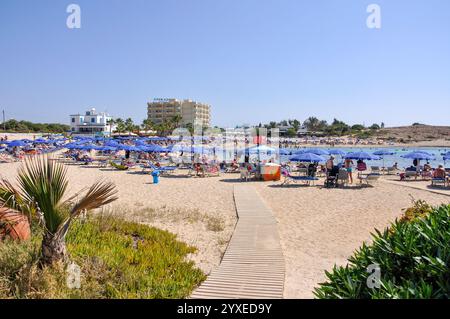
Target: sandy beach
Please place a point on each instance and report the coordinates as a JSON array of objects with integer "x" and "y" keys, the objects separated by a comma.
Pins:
[{"x": 318, "y": 227}]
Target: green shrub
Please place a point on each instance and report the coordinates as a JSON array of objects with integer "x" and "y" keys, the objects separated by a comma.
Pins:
[
  {"x": 118, "y": 259},
  {"x": 420, "y": 209},
  {"x": 413, "y": 256}
]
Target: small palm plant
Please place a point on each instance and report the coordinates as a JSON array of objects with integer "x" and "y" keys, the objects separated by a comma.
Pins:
[{"x": 42, "y": 185}]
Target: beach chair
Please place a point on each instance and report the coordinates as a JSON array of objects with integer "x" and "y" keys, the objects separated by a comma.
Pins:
[
  {"x": 231, "y": 169},
  {"x": 438, "y": 182},
  {"x": 391, "y": 170},
  {"x": 342, "y": 177},
  {"x": 244, "y": 173},
  {"x": 331, "y": 179},
  {"x": 211, "y": 170},
  {"x": 288, "y": 179},
  {"x": 369, "y": 178},
  {"x": 164, "y": 170},
  {"x": 375, "y": 169},
  {"x": 408, "y": 175}
]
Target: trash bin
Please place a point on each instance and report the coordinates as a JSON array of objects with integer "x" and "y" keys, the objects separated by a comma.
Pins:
[{"x": 155, "y": 175}]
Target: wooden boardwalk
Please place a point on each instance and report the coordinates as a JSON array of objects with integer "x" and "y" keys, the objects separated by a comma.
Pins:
[{"x": 253, "y": 264}]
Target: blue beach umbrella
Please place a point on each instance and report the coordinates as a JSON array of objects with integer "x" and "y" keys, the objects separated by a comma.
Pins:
[
  {"x": 423, "y": 152},
  {"x": 307, "y": 157},
  {"x": 361, "y": 156},
  {"x": 419, "y": 156},
  {"x": 107, "y": 149},
  {"x": 18, "y": 143},
  {"x": 284, "y": 151},
  {"x": 336, "y": 152},
  {"x": 317, "y": 151}
]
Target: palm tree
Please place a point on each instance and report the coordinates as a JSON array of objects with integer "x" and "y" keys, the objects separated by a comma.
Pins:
[
  {"x": 147, "y": 125},
  {"x": 175, "y": 121},
  {"x": 120, "y": 125},
  {"x": 42, "y": 185},
  {"x": 110, "y": 122},
  {"x": 129, "y": 125}
]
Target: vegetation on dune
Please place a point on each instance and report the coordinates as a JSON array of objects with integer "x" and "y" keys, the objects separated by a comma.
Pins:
[
  {"x": 118, "y": 259},
  {"x": 413, "y": 257},
  {"x": 29, "y": 127},
  {"x": 40, "y": 194},
  {"x": 316, "y": 126}
]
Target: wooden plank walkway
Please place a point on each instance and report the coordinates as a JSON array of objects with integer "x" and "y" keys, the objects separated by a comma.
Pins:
[{"x": 253, "y": 264}]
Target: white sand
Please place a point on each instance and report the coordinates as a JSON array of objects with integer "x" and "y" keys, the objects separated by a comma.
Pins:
[{"x": 318, "y": 227}]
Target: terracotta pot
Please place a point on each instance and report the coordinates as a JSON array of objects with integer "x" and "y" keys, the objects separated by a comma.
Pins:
[{"x": 14, "y": 225}]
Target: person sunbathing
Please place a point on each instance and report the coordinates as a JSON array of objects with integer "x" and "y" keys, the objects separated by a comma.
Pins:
[{"x": 439, "y": 172}]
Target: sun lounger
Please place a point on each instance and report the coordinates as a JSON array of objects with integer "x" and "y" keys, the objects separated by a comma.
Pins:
[
  {"x": 293, "y": 179},
  {"x": 343, "y": 177},
  {"x": 408, "y": 174},
  {"x": 375, "y": 169},
  {"x": 391, "y": 170},
  {"x": 211, "y": 170},
  {"x": 369, "y": 178},
  {"x": 163, "y": 169},
  {"x": 438, "y": 181}
]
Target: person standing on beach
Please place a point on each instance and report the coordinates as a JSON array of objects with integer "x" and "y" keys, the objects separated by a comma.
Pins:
[
  {"x": 330, "y": 164},
  {"x": 349, "y": 167}
]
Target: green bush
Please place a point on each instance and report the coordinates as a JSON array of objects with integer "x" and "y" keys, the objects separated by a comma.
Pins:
[
  {"x": 413, "y": 257},
  {"x": 118, "y": 259}
]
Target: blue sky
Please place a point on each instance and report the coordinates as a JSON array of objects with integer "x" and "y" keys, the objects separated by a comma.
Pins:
[{"x": 252, "y": 60}]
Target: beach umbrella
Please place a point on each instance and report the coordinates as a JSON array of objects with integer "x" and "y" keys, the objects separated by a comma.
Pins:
[
  {"x": 153, "y": 148},
  {"x": 336, "y": 152},
  {"x": 18, "y": 143},
  {"x": 423, "y": 152},
  {"x": 89, "y": 147},
  {"x": 317, "y": 151},
  {"x": 129, "y": 148},
  {"x": 284, "y": 151},
  {"x": 307, "y": 157},
  {"x": 106, "y": 149},
  {"x": 361, "y": 156},
  {"x": 419, "y": 156}
]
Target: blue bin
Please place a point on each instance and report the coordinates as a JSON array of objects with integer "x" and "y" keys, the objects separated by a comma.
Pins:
[{"x": 155, "y": 175}]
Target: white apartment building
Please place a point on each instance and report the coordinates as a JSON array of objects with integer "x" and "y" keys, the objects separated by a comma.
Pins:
[
  {"x": 190, "y": 111},
  {"x": 91, "y": 123}
]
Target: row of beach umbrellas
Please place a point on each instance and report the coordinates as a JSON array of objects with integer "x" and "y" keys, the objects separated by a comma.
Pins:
[{"x": 141, "y": 145}]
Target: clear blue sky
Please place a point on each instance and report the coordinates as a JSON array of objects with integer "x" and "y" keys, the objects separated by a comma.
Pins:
[{"x": 252, "y": 60}]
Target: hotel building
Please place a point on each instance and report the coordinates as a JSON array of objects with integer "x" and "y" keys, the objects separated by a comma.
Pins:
[{"x": 190, "y": 111}]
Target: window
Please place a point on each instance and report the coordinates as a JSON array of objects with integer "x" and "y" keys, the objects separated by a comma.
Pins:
[
  {"x": 93, "y": 120},
  {"x": 73, "y": 120}
]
